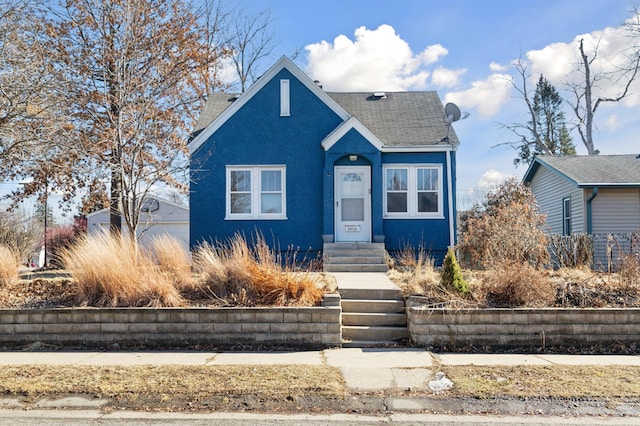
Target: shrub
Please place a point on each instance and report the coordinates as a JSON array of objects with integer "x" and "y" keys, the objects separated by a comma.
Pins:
[
  {"x": 415, "y": 273},
  {"x": 9, "y": 263},
  {"x": 506, "y": 227},
  {"x": 513, "y": 284},
  {"x": 112, "y": 271},
  {"x": 19, "y": 233},
  {"x": 62, "y": 237},
  {"x": 452, "y": 274},
  {"x": 249, "y": 275}
]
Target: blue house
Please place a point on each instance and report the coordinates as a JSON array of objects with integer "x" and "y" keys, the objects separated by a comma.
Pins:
[{"x": 311, "y": 169}]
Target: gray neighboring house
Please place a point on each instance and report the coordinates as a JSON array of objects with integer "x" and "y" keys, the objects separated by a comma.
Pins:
[
  {"x": 597, "y": 195},
  {"x": 158, "y": 217}
]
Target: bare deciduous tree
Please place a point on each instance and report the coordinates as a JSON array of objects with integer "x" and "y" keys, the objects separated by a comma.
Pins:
[
  {"x": 133, "y": 66},
  {"x": 250, "y": 39},
  {"x": 599, "y": 85}
]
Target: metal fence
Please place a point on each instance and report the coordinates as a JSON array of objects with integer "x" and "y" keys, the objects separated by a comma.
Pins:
[{"x": 603, "y": 252}]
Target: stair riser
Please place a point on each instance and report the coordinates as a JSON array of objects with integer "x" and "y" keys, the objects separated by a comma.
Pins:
[
  {"x": 376, "y": 306},
  {"x": 370, "y": 294},
  {"x": 354, "y": 268},
  {"x": 357, "y": 260},
  {"x": 374, "y": 333},
  {"x": 381, "y": 319},
  {"x": 353, "y": 246},
  {"x": 353, "y": 253}
]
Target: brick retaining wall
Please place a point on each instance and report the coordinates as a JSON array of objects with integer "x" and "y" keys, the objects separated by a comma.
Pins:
[
  {"x": 521, "y": 328},
  {"x": 313, "y": 327}
]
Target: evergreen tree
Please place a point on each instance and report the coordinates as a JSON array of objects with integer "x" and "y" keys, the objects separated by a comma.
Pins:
[{"x": 549, "y": 133}]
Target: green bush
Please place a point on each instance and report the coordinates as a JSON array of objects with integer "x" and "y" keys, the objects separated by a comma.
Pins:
[{"x": 452, "y": 274}]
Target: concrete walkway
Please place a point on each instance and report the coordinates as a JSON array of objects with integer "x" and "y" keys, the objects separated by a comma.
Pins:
[
  {"x": 364, "y": 369},
  {"x": 364, "y": 280}
]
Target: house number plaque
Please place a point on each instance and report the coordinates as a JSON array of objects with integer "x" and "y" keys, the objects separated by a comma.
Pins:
[{"x": 352, "y": 228}]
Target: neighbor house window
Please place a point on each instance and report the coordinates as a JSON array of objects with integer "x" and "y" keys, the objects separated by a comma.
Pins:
[
  {"x": 566, "y": 216},
  {"x": 256, "y": 192},
  {"x": 413, "y": 191}
]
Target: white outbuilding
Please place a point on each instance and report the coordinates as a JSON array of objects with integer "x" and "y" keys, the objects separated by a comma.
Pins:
[{"x": 158, "y": 217}]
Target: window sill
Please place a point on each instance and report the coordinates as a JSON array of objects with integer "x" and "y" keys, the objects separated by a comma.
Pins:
[
  {"x": 255, "y": 218},
  {"x": 438, "y": 217}
]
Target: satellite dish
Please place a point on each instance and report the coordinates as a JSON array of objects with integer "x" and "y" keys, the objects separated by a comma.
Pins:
[
  {"x": 150, "y": 205},
  {"x": 451, "y": 112}
]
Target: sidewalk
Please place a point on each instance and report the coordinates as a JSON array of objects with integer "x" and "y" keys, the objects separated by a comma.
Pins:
[{"x": 368, "y": 369}]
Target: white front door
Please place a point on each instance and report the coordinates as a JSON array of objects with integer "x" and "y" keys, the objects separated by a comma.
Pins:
[{"x": 353, "y": 203}]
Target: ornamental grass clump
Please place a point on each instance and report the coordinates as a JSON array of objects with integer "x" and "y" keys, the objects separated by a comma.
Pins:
[
  {"x": 513, "y": 284},
  {"x": 114, "y": 271},
  {"x": 452, "y": 278},
  {"x": 173, "y": 260},
  {"x": 9, "y": 264},
  {"x": 250, "y": 275}
]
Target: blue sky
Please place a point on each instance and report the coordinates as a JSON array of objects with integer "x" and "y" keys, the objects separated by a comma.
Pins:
[{"x": 464, "y": 50}]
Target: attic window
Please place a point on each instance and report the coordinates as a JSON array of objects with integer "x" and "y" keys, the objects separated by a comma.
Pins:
[{"x": 284, "y": 99}]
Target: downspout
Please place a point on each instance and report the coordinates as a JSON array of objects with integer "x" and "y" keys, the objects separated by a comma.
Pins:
[
  {"x": 452, "y": 237},
  {"x": 594, "y": 194}
]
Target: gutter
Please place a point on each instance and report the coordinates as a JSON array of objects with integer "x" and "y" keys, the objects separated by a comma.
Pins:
[{"x": 594, "y": 194}]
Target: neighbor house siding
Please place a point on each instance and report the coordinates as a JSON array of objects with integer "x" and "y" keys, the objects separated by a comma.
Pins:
[
  {"x": 169, "y": 219},
  {"x": 616, "y": 211},
  {"x": 550, "y": 189}
]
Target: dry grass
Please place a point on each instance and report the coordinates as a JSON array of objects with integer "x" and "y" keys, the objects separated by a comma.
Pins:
[
  {"x": 112, "y": 271},
  {"x": 247, "y": 275},
  {"x": 556, "y": 381},
  {"x": 9, "y": 263},
  {"x": 514, "y": 285},
  {"x": 172, "y": 387},
  {"x": 173, "y": 260}
]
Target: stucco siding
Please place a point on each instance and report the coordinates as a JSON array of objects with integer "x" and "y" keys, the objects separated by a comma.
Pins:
[
  {"x": 257, "y": 135},
  {"x": 616, "y": 211},
  {"x": 550, "y": 189}
]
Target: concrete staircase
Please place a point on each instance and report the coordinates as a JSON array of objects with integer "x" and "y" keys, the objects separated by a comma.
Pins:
[
  {"x": 354, "y": 257},
  {"x": 373, "y": 310}
]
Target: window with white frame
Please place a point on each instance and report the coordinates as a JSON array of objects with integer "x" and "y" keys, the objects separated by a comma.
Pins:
[
  {"x": 566, "y": 216},
  {"x": 256, "y": 192},
  {"x": 413, "y": 191}
]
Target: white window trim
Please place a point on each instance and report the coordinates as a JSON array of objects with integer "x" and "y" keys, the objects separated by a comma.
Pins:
[
  {"x": 285, "y": 99},
  {"x": 412, "y": 192},
  {"x": 256, "y": 192},
  {"x": 566, "y": 218}
]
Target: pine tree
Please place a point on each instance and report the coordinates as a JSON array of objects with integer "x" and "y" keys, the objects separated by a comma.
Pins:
[
  {"x": 452, "y": 274},
  {"x": 549, "y": 133}
]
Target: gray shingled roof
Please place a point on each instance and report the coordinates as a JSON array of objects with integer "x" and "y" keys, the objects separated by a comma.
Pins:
[
  {"x": 399, "y": 119},
  {"x": 602, "y": 170}
]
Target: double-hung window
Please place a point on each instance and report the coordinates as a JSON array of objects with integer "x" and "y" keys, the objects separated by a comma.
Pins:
[
  {"x": 256, "y": 192},
  {"x": 412, "y": 191}
]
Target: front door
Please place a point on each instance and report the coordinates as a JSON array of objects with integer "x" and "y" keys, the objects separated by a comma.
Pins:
[{"x": 353, "y": 203}]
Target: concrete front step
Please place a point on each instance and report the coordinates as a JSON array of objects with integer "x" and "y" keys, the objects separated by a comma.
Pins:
[
  {"x": 372, "y": 343},
  {"x": 353, "y": 246},
  {"x": 374, "y": 333},
  {"x": 374, "y": 319},
  {"x": 369, "y": 306},
  {"x": 371, "y": 294},
  {"x": 357, "y": 259},
  {"x": 350, "y": 267}
]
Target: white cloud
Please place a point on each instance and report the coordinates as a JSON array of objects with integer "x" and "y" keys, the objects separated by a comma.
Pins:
[
  {"x": 433, "y": 54},
  {"x": 490, "y": 179},
  {"x": 496, "y": 67},
  {"x": 612, "y": 122},
  {"x": 375, "y": 60},
  {"x": 485, "y": 95},
  {"x": 444, "y": 77}
]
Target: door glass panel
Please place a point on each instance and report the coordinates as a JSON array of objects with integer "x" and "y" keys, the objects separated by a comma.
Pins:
[
  {"x": 352, "y": 185},
  {"x": 352, "y": 209}
]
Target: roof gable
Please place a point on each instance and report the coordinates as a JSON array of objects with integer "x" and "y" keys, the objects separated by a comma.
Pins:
[
  {"x": 351, "y": 123},
  {"x": 591, "y": 170},
  {"x": 222, "y": 113}
]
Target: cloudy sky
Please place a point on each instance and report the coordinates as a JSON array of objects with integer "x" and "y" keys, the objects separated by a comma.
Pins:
[{"x": 465, "y": 50}]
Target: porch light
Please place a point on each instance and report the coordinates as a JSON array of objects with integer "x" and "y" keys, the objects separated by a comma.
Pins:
[{"x": 353, "y": 157}]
